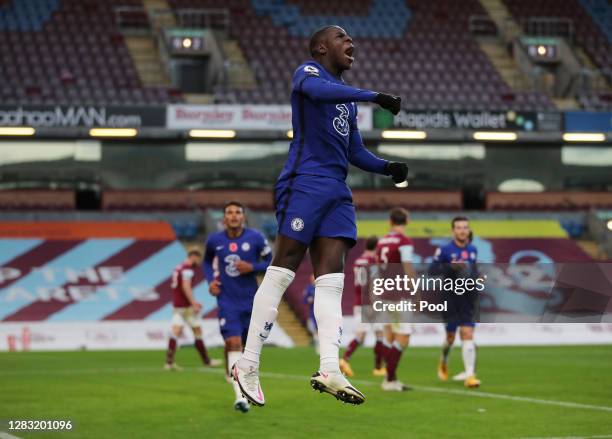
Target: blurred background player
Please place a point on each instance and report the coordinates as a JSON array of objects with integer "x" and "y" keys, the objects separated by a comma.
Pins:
[
  {"x": 311, "y": 323},
  {"x": 186, "y": 309},
  {"x": 455, "y": 259},
  {"x": 364, "y": 269},
  {"x": 240, "y": 253},
  {"x": 314, "y": 207},
  {"x": 394, "y": 254}
]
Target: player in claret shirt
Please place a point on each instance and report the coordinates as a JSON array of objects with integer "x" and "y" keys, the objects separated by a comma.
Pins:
[
  {"x": 240, "y": 253},
  {"x": 364, "y": 269},
  {"x": 394, "y": 254},
  {"x": 186, "y": 309},
  {"x": 314, "y": 207}
]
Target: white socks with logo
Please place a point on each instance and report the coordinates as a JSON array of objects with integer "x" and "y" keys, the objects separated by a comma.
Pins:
[
  {"x": 265, "y": 310},
  {"x": 328, "y": 313}
]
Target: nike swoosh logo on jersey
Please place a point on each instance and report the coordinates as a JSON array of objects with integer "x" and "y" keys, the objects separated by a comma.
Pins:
[{"x": 219, "y": 247}]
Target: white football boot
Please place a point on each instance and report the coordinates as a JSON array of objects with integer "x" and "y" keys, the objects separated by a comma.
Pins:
[
  {"x": 248, "y": 380},
  {"x": 337, "y": 385}
]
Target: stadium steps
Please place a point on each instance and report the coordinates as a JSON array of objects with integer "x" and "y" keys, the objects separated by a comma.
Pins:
[
  {"x": 502, "y": 18},
  {"x": 240, "y": 74},
  {"x": 292, "y": 325},
  {"x": 146, "y": 59},
  {"x": 592, "y": 249},
  {"x": 600, "y": 80},
  {"x": 199, "y": 98},
  {"x": 565, "y": 103},
  {"x": 505, "y": 65}
]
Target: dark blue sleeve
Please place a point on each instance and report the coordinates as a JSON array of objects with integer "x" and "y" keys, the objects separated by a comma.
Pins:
[
  {"x": 209, "y": 256},
  {"x": 306, "y": 80},
  {"x": 438, "y": 265},
  {"x": 360, "y": 156},
  {"x": 265, "y": 253}
]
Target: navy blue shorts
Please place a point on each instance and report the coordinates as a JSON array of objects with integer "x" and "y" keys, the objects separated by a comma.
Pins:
[
  {"x": 461, "y": 311},
  {"x": 234, "y": 321},
  {"x": 310, "y": 206}
]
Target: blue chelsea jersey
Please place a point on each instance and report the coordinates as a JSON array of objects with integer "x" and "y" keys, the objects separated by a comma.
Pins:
[
  {"x": 251, "y": 246},
  {"x": 325, "y": 134},
  {"x": 452, "y": 252}
]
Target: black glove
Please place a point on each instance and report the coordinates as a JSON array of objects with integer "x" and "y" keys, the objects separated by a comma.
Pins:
[
  {"x": 389, "y": 102},
  {"x": 398, "y": 171}
]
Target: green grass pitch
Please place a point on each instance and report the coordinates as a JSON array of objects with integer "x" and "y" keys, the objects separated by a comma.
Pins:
[{"x": 527, "y": 392}]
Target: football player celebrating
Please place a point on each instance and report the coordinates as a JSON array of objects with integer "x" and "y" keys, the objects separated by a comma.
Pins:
[
  {"x": 314, "y": 207},
  {"x": 240, "y": 253}
]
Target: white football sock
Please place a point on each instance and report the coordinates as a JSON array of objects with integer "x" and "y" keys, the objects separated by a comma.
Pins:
[
  {"x": 232, "y": 357},
  {"x": 468, "y": 349},
  {"x": 265, "y": 309},
  {"x": 328, "y": 313}
]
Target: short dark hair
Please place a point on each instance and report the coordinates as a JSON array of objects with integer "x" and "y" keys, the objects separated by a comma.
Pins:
[
  {"x": 371, "y": 242},
  {"x": 233, "y": 203},
  {"x": 457, "y": 219},
  {"x": 398, "y": 216},
  {"x": 316, "y": 38},
  {"x": 195, "y": 251}
]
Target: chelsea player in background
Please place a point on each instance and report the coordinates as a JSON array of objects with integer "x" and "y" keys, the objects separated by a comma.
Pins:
[
  {"x": 453, "y": 260},
  {"x": 314, "y": 207},
  {"x": 240, "y": 254}
]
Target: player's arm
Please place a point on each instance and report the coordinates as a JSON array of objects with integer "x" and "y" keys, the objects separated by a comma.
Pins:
[
  {"x": 406, "y": 253},
  {"x": 186, "y": 284},
  {"x": 307, "y": 81},
  {"x": 265, "y": 255},
  {"x": 361, "y": 157},
  {"x": 438, "y": 266},
  {"x": 209, "y": 271}
]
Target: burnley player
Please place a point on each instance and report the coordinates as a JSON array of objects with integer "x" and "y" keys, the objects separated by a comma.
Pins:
[
  {"x": 394, "y": 253},
  {"x": 186, "y": 310},
  {"x": 314, "y": 207},
  {"x": 240, "y": 253},
  {"x": 458, "y": 258},
  {"x": 364, "y": 269}
]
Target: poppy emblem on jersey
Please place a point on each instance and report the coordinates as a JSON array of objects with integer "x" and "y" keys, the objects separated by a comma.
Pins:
[
  {"x": 233, "y": 247},
  {"x": 297, "y": 224},
  {"x": 246, "y": 246},
  {"x": 464, "y": 254}
]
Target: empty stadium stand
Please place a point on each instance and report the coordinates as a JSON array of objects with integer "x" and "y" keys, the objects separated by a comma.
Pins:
[
  {"x": 420, "y": 50},
  {"x": 68, "y": 52},
  {"x": 548, "y": 200}
]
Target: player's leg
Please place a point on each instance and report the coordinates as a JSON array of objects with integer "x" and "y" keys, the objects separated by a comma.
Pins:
[
  {"x": 327, "y": 255},
  {"x": 360, "y": 333},
  {"x": 176, "y": 330},
  {"x": 446, "y": 348},
  {"x": 233, "y": 346},
  {"x": 379, "y": 351},
  {"x": 288, "y": 255},
  {"x": 194, "y": 322},
  {"x": 468, "y": 351},
  {"x": 401, "y": 340}
]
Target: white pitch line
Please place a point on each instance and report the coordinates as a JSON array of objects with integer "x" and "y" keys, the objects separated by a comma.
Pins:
[
  {"x": 472, "y": 393},
  {"x": 605, "y": 436}
]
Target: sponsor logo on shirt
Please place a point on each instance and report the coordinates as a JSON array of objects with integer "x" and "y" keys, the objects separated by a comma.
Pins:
[
  {"x": 340, "y": 122},
  {"x": 311, "y": 70}
]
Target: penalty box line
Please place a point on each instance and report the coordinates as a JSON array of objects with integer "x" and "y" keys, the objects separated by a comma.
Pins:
[{"x": 471, "y": 393}]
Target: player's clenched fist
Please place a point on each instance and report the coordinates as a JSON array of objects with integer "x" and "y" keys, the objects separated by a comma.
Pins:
[
  {"x": 389, "y": 102},
  {"x": 398, "y": 171},
  {"x": 215, "y": 287}
]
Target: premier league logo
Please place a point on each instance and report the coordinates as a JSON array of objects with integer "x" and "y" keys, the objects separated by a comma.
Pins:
[{"x": 297, "y": 224}]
